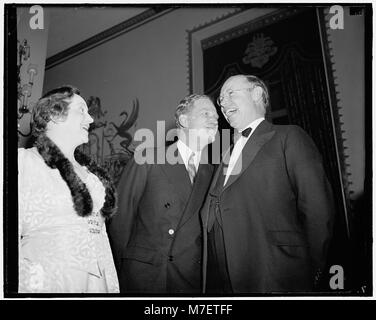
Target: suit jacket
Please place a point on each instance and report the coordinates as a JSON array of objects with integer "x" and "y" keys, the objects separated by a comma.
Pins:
[
  {"x": 156, "y": 235},
  {"x": 277, "y": 212}
]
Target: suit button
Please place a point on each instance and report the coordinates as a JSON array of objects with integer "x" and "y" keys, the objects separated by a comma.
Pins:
[
  {"x": 167, "y": 205},
  {"x": 171, "y": 232},
  {"x": 170, "y": 258}
]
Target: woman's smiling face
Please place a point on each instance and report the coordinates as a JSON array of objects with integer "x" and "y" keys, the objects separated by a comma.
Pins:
[{"x": 76, "y": 125}]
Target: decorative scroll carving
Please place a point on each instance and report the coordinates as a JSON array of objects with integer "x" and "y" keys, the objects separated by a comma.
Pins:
[{"x": 111, "y": 143}]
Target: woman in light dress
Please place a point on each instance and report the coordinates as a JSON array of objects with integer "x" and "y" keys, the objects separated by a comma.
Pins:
[{"x": 64, "y": 201}]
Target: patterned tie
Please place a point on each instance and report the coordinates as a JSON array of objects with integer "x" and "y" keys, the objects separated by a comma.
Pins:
[{"x": 191, "y": 167}]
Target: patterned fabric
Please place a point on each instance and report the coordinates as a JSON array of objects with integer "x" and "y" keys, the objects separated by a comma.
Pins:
[
  {"x": 60, "y": 251},
  {"x": 191, "y": 167}
]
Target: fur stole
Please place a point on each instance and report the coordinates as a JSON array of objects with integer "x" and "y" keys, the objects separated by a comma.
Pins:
[{"x": 83, "y": 203}]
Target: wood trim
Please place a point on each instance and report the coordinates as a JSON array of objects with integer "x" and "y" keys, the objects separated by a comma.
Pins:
[
  {"x": 107, "y": 35},
  {"x": 336, "y": 117}
]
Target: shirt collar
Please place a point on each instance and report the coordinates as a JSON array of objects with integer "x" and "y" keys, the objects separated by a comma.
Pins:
[
  {"x": 254, "y": 124},
  {"x": 185, "y": 153}
]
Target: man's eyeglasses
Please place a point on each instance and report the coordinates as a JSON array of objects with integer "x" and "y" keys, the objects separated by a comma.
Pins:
[{"x": 228, "y": 94}]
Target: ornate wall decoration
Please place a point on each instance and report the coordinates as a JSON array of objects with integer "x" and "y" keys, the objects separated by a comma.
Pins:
[
  {"x": 259, "y": 50},
  {"x": 111, "y": 143}
]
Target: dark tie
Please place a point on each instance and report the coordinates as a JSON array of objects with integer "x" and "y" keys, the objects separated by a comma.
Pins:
[
  {"x": 246, "y": 132},
  {"x": 191, "y": 167}
]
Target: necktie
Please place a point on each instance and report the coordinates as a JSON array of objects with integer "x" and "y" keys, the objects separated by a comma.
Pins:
[
  {"x": 191, "y": 167},
  {"x": 246, "y": 132}
]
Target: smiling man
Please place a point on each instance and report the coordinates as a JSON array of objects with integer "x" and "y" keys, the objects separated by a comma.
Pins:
[
  {"x": 268, "y": 216},
  {"x": 156, "y": 235}
]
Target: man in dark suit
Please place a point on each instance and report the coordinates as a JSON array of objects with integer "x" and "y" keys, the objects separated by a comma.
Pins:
[
  {"x": 268, "y": 216},
  {"x": 156, "y": 236}
]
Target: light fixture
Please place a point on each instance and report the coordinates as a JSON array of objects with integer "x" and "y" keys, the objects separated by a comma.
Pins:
[{"x": 24, "y": 90}]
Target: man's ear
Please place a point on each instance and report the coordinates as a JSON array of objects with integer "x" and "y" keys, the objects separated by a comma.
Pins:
[
  {"x": 183, "y": 120},
  {"x": 256, "y": 94}
]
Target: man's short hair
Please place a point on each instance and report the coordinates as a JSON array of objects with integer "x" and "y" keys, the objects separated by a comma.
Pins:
[
  {"x": 186, "y": 104},
  {"x": 256, "y": 82}
]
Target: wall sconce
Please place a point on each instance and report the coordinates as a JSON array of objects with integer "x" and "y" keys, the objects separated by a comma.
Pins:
[
  {"x": 23, "y": 54},
  {"x": 25, "y": 91},
  {"x": 25, "y": 94}
]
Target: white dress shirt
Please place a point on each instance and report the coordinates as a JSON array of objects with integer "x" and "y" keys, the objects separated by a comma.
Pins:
[
  {"x": 238, "y": 147},
  {"x": 185, "y": 153}
]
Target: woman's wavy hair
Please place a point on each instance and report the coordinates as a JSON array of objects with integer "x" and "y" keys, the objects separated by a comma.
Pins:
[{"x": 53, "y": 105}]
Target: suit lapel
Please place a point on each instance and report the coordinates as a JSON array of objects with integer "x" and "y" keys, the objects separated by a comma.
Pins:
[
  {"x": 200, "y": 187},
  {"x": 214, "y": 189},
  {"x": 262, "y": 134},
  {"x": 178, "y": 176}
]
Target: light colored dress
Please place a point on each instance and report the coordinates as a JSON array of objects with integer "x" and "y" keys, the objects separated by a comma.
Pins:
[{"x": 59, "y": 251}]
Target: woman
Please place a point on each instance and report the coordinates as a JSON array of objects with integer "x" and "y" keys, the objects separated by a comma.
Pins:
[{"x": 64, "y": 200}]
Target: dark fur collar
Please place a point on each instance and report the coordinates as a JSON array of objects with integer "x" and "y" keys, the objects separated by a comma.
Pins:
[{"x": 82, "y": 200}]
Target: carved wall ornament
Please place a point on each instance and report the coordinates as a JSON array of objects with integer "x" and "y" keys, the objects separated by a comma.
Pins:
[
  {"x": 259, "y": 51},
  {"x": 111, "y": 144}
]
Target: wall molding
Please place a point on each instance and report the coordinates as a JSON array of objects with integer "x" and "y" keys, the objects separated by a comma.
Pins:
[
  {"x": 336, "y": 107},
  {"x": 255, "y": 24},
  {"x": 203, "y": 35},
  {"x": 107, "y": 35},
  {"x": 190, "y": 41}
]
